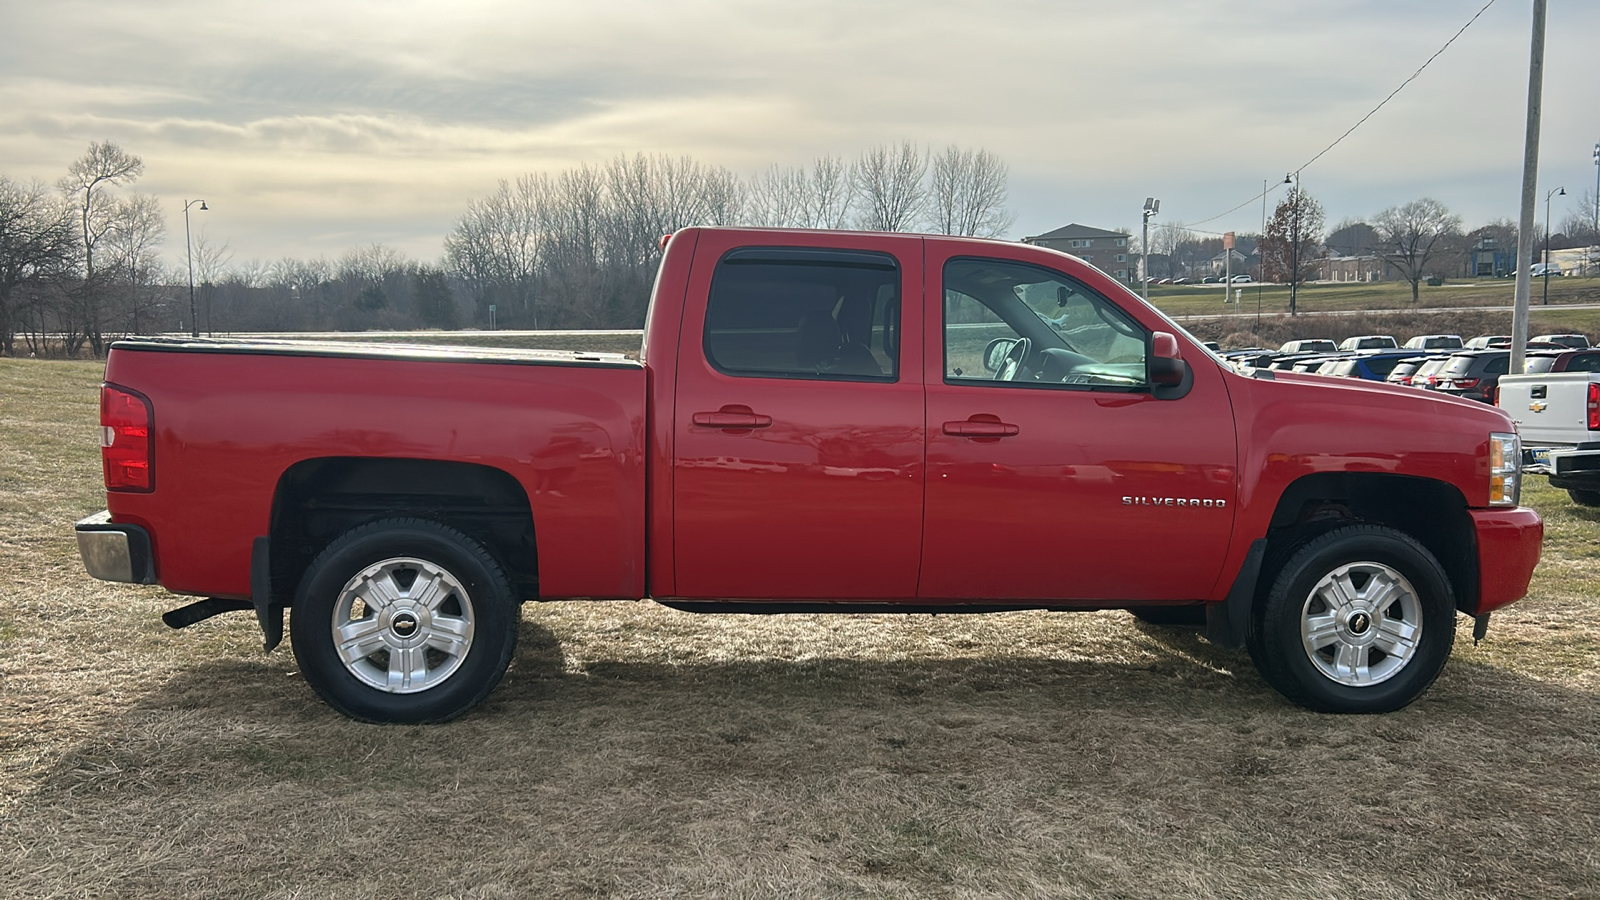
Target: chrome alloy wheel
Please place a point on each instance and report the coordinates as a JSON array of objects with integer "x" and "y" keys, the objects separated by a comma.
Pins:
[
  {"x": 403, "y": 625},
  {"x": 1361, "y": 624}
]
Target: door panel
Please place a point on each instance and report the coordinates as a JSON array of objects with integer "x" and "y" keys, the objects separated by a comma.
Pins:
[
  {"x": 798, "y": 427},
  {"x": 1079, "y": 486}
]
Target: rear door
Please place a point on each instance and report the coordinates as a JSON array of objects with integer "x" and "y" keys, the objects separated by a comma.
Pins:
[{"x": 798, "y": 471}]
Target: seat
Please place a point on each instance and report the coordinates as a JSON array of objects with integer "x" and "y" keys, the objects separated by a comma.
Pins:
[
  {"x": 854, "y": 355},
  {"x": 817, "y": 342}
]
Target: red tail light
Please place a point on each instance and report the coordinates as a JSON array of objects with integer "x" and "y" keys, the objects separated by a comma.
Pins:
[
  {"x": 1594, "y": 406},
  {"x": 126, "y": 440},
  {"x": 1462, "y": 383}
]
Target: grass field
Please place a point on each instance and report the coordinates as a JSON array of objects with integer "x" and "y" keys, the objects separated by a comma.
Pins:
[{"x": 633, "y": 751}]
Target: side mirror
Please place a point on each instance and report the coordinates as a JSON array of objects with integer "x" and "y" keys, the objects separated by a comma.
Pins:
[
  {"x": 995, "y": 353},
  {"x": 1170, "y": 376}
]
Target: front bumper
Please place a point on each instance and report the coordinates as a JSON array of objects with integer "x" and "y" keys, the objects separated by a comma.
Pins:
[
  {"x": 114, "y": 552},
  {"x": 1580, "y": 463},
  {"x": 1510, "y": 542}
]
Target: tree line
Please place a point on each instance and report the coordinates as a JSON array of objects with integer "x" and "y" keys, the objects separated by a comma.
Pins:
[
  {"x": 79, "y": 263},
  {"x": 1410, "y": 242}
]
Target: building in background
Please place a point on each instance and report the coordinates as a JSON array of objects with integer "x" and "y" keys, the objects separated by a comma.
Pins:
[{"x": 1107, "y": 251}]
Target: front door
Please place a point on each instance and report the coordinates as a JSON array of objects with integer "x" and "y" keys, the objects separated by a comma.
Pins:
[
  {"x": 1055, "y": 472},
  {"x": 798, "y": 470}
]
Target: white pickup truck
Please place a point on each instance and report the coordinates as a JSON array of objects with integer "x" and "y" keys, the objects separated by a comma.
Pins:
[{"x": 1558, "y": 416}]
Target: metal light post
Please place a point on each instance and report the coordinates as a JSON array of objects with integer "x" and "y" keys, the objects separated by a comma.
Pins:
[
  {"x": 1151, "y": 207},
  {"x": 1557, "y": 192},
  {"x": 188, "y": 252},
  {"x": 1294, "y": 240},
  {"x": 1596, "y": 232}
]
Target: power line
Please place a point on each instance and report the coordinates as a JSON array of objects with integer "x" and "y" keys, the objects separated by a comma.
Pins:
[{"x": 1364, "y": 118}]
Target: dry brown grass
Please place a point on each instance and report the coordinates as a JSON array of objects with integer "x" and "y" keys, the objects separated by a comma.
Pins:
[{"x": 633, "y": 751}]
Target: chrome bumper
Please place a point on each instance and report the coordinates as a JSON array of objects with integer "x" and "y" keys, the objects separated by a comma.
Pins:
[{"x": 113, "y": 552}]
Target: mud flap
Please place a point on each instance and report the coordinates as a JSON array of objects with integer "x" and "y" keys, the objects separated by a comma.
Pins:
[
  {"x": 269, "y": 613},
  {"x": 1228, "y": 622}
]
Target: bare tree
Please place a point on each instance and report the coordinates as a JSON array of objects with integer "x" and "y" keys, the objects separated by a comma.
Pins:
[
  {"x": 889, "y": 183},
  {"x": 1293, "y": 242},
  {"x": 36, "y": 246},
  {"x": 495, "y": 246},
  {"x": 968, "y": 194},
  {"x": 132, "y": 269},
  {"x": 1411, "y": 235},
  {"x": 777, "y": 199},
  {"x": 830, "y": 193},
  {"x": 103, "y": 165},
  {"x": 793, "y": 198},
  {"x": 1580, "y": 225}
]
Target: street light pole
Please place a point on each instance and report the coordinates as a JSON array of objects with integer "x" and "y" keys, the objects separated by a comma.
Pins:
[
  {"x": 1294, "y": 241},
  {"x": 188, "y": 252},
  {"x": 1557, "y": 192},
  {"x": 1151, "y": 207}
]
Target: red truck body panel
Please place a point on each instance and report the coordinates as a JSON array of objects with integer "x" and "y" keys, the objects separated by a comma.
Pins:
[
  {"x": 848, "y": 490},
  {"x": 227, "y": 426}
]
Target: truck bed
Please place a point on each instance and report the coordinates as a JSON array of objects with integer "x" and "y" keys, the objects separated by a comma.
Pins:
[{"x": 565, "y": 428}]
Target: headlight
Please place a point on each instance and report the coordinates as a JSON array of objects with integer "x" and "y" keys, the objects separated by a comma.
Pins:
[{"x": 1505, "y": 469}]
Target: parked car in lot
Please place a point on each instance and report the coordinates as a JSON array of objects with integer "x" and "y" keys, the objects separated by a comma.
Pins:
[
  {"x": 1562, "y": 361},
  {"x": 817, "y": 421},
  {"x": 1368, "y": 366},
  {"x": 1425, "y": 376},
  {"x": 1484, "y": 341},
  {"x": 1540, "y": 270},
  {"x": 1309, "y": 345},
  {"x": 1575, "y": 341},
  {"x": 1369, "y": 342},
  {"x": 1474, "y": 374},
  {"x": 1540, "y": 361},
  {"x": 1240, "y": 279},
  {"x": 1401, "y": 373},
  {"x": 1435, "y": 342}
]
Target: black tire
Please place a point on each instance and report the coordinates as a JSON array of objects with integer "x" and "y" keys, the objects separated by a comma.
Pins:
[
  {"x": 1371, "y": 661},
  {"x": 1190, "y": 616},
  {"x": 1584, "y": 498},
  {"x": 456, "y": 597}
]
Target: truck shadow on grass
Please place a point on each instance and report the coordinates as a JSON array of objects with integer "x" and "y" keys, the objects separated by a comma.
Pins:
[{"x": 1132, "y": 761}]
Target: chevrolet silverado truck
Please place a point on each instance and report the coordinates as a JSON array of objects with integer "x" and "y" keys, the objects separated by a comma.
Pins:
[
  {"x": 1557, "y": 413},
  {"x": 817, "y": 422}
]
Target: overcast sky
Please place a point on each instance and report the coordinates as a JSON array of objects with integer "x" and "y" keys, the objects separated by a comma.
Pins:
[{"x": 312, "y": 128}]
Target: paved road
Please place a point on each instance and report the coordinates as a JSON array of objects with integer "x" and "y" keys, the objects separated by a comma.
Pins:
[{"x": 1246, "y": 313}]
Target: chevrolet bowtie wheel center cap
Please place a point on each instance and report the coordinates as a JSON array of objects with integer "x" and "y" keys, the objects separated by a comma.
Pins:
[
  {"x": 1359, "y": 623},
  {"x": 405, "y": 625}
]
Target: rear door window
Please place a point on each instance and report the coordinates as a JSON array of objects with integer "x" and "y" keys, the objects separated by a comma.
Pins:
[{"x": 805, "y": 313}]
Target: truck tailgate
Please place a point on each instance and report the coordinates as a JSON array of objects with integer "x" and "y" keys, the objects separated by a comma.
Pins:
[{"x": 1550, "y": 410}]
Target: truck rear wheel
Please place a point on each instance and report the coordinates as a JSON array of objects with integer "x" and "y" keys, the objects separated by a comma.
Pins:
[
  {"x": 1359, "y": 619},
  {"x": 404, "y": 621}
]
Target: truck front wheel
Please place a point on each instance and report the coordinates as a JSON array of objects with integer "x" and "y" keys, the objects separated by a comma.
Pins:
[
  {"x": 1358, "y": 620},
  {"x": 404, "y": 621}
]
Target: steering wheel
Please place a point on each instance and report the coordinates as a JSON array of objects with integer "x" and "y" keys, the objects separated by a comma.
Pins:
[{"x": 1012, "y": 364}]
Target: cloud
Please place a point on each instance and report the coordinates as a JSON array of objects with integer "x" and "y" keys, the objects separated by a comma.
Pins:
[{"x": 337, "y": 119}]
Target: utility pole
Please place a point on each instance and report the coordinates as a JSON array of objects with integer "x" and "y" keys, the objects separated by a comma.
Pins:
[
  {"x": 1530, "y": 189},
  {"x": 1151, "y": 207},
  {"x": 1294, "y": 240}
]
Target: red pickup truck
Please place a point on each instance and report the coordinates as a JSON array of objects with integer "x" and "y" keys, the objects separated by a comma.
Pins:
[{"x": 818, "y": 421}]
